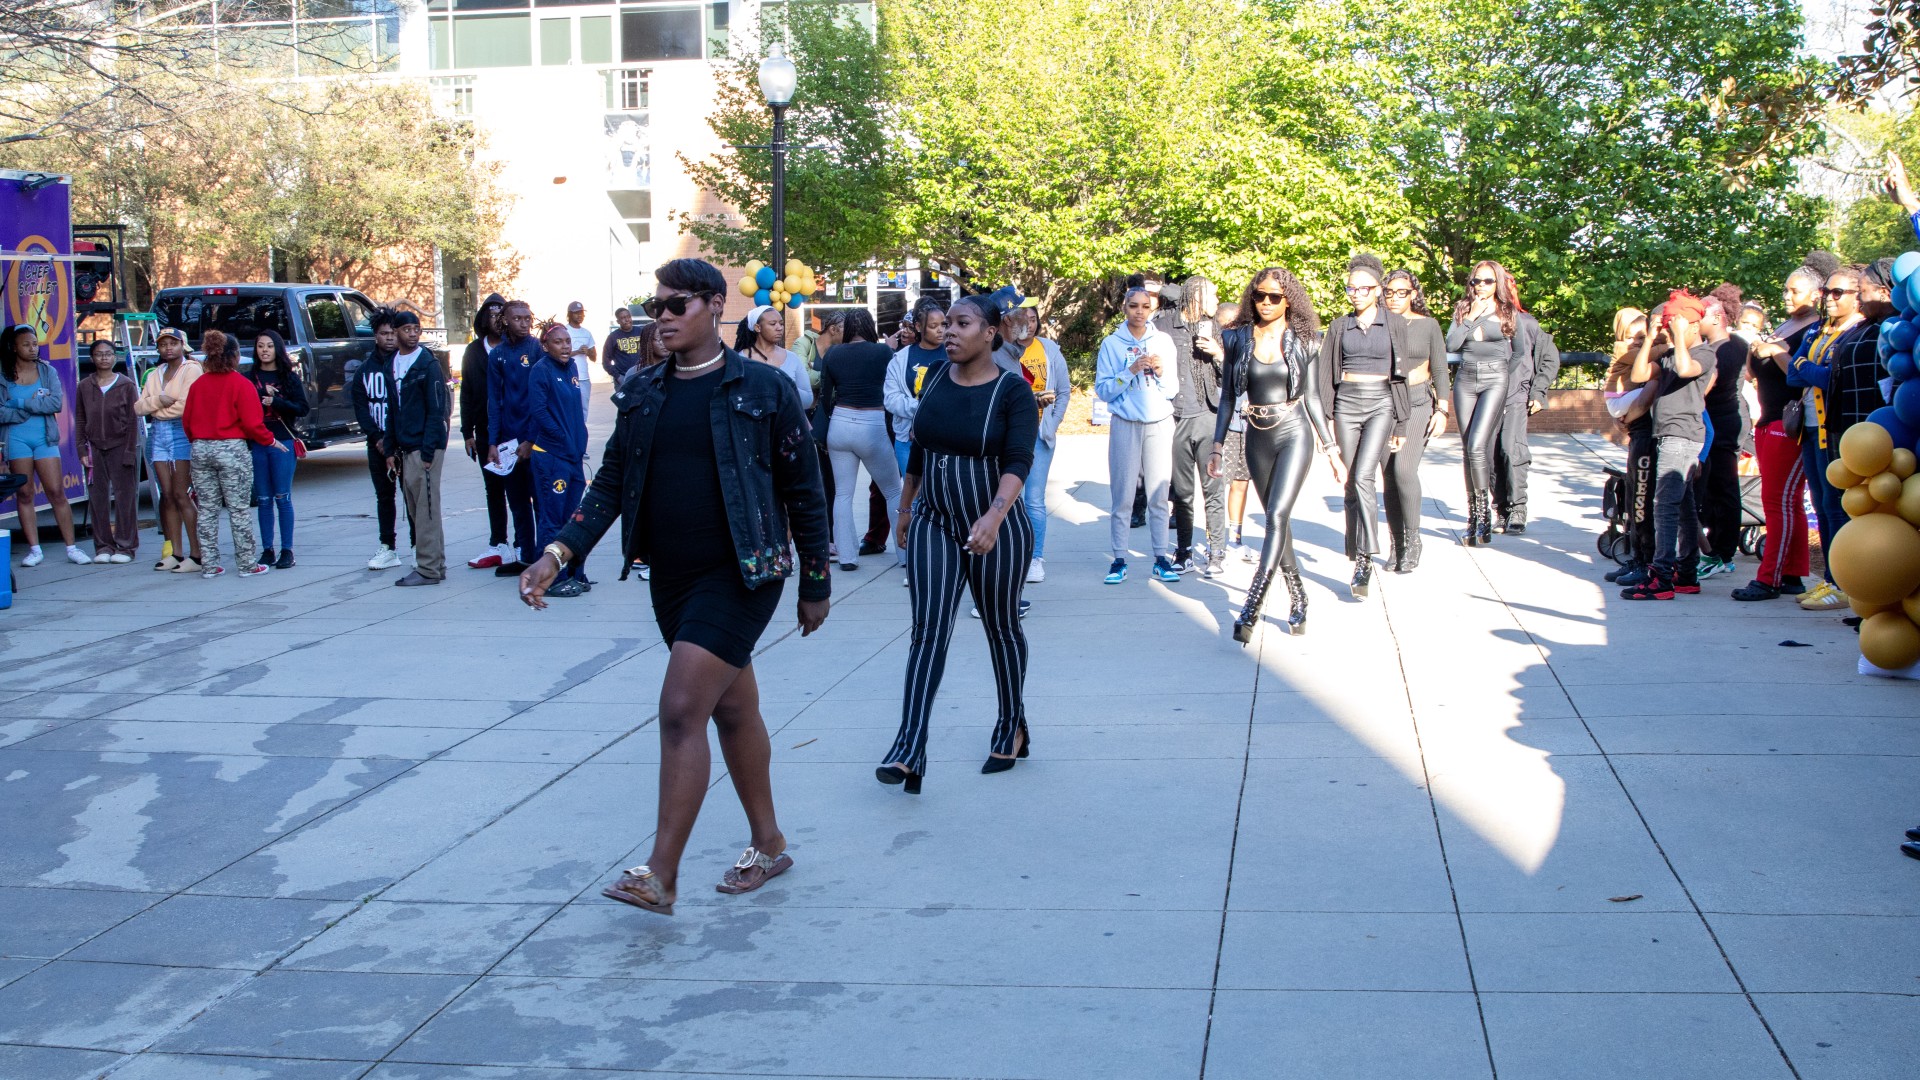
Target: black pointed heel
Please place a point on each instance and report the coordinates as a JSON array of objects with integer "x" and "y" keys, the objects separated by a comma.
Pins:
[
  {"x": 889, "y": 774},
  {"x": 1002, "y": 764},
  {"x": 1249, "y": 620}
]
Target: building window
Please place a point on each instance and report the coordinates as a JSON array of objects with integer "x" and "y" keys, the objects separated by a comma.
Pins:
[
  {"x": 672, "y": 34},
  {"x": 627, "y": 89},
  {"x": 484, "y": 41},
  {"x": 453, "y": 95},
  {"x": 596, "y": 39},
  {"x": 556, "y": 41}
]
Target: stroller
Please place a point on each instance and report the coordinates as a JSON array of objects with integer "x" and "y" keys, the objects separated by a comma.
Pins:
[
  {"x": 1753, "y": 510},
  {"x": 1614, "y": 543}
]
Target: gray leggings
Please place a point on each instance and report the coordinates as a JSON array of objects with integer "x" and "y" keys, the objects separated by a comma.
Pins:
[
  {"x": 1140, "y": 453},
  {"x": 857, "y": 437}
]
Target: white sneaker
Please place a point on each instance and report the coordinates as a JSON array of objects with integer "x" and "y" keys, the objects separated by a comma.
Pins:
[
  {"x": 34, "y": 556},
  {"x": 119, "y": 557},
  {"x": 1036, "y": 571},
  {"x": 103, "y": 557},
  {"x": 384, "y": 559},
  {"x": 77, "y": 557}
]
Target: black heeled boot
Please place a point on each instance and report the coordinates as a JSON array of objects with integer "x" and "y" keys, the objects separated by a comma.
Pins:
[
  {"x": 1409, "y": 552},
  {"x": 1297, "y": 593},
  {"x": 1471, "y": 535},
  {"x": 1362, "y": 576},
  {"x": 1249, "y": 619},
  {"x": 1486, "y": 519}
]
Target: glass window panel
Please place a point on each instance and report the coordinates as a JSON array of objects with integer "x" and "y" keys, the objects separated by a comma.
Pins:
[
  {"x": 259, "y": 50},
  {"x": 440, "y": 44},
  {"x": 717, "y": 19},
  {"x": 481, "y": 41},
  {"x": 596, "y": 39},
  {"x": 330, "y": 47},
  {"x": 244, "y": 11},
  {"x": 661, "y": 35},
  {"x": 348, "y": 9},
  {"x": 325, "y": 315},
  {"x": 556, "y": 41},
  {"x": 567, "y": 3},
  {"x": 487, "y": 5}
]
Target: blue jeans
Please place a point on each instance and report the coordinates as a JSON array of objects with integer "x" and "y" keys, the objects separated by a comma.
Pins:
[
  {"x": 1035, "y": 495},
  {"x": 1825, "y": 497},
  {"x": 273, "y": 490},
  {"x": 901, "y": 448}
]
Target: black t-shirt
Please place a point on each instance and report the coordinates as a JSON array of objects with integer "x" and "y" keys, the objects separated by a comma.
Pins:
[
  {"x": 1723, "y": 400},
  {"x": 621, "y": 352},
  {"x": 854, "y": 374},
  {"x": 1770, "y": 383},
  {"x": 684, "y": 514},
  {"x": 1679, "y": 410},
  {"x": 1366, "y": 351},
  {"x": 997, "y": 419}
]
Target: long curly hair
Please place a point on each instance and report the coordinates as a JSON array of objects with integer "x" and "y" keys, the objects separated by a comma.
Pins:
[
  {"x": 1301, "y": 318},
  {"x": 1417, "y": 303},
  {"x": 1506, "y": 298}
]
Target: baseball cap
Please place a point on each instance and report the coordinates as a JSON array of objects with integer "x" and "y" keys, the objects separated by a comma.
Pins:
[
  {"x": 1007, "y": 298},
  {"x": 168, "y": 331},
  {"x": 576, "y": 306}
]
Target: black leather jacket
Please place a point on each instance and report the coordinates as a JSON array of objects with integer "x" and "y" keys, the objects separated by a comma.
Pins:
[
  {"x": 769, "y": 474},
  {"x": 1258, "y": 387}
]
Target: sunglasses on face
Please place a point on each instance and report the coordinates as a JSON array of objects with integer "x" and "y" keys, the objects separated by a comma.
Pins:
[
  {"x": 673, "y": 305},
  {"x": 1835, "y": 294},
  {"x": 1269, "y": 298},
  {"x": 1481, "y": 281}
]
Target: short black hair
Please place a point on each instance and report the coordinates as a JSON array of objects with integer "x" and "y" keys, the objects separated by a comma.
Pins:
[
  {"x": 691, "y": 275},
  {"x": 385, "y": 317},
  {"x": 859, "y": 325},
  {"x": 1368, "y": 261},
  {"x": 989, "y": 312}
]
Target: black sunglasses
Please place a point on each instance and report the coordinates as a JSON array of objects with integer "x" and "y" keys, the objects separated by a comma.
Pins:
[
  {"x": 1269, "y": 297},
  {"x": 1835, "y": 294},
  {"x": 673, "y": 305},
  {"x": 1481, "y": 281}
]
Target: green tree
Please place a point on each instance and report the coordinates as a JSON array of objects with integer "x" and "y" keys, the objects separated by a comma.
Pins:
[
  {"x": 1603, "y": 151},
  {"x": 842, "y": 177}
]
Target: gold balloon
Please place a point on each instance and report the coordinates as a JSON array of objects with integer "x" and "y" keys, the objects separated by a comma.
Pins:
[
  {"x": 1909, "y": 505},
  {"x": 1876, "y": 558},
  {"x": 1890, "y": 640},
  {"x": 755, "y": 267},
  {"x": 1911, "y": 606},
  {"x": 1884, "y": 488},
  {"x": 1839, "y": 477},
  {"x": 1858, "y": 502},
  {"x": 748, "y": 286},
  {"x": 1867, "y": 449},
  {"x": 1903, "y": 463},
  {"x": 1868, "y": 611}
]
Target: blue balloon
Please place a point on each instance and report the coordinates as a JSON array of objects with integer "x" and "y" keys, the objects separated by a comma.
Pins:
[
  {"x": 1911, "y": 291},
  {"x": 1906, "y": 403},
  {"x": 795, "y": 300},
  {"x": 1901, "y": 366},
  {"x": 1900, "y": 302},
  {"x": 1899, "y": 335},
  {"x": 763, "y": 297},
  {"x": 1904, "y": 266},
  {"x": 1886, "y": 417},
  {"x": 765, "y": 277}
]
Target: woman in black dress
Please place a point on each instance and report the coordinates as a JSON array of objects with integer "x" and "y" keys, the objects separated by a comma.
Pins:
[
  {"x": 964, "y": 526},
  {"x": 710, "y": 462},
  {"x": 1271, "y": 351}
]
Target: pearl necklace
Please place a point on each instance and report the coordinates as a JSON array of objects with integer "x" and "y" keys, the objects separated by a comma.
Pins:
[{"x": 678, "y": 366}]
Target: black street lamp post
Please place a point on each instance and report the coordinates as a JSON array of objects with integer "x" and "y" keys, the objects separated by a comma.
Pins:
[{"x": 777, "y": 78}]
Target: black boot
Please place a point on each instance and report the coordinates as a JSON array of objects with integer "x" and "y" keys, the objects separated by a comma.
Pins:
[
  {"x": 1409, "y": 552},
  {"x": 1362, "y": 576},
  {"x": 1297, "y": 593},
  {"x": 1249, "y": 619},
  {"x": 1476, "y": 506},
  {"x": 1486, "y": 520}
]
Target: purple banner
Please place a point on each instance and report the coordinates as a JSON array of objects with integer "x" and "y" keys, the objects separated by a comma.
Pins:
[{"x": 36, "y": 229}]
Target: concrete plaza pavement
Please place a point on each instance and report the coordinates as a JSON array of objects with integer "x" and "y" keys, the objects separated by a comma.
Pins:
[{"x": 1493, "y": 822}]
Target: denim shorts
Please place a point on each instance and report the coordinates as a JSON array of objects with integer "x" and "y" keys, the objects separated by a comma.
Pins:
[{"x": 167, "y": 441}]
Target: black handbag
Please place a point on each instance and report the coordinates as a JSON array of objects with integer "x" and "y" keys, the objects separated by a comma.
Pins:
[{"x": 1793, "y": 416}]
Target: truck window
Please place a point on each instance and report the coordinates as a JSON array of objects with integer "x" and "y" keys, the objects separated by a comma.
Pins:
[
  {"x": 327, "y": 317},
  {"x": 244, "y": 313},
  {"x": 359, "y": 314}
]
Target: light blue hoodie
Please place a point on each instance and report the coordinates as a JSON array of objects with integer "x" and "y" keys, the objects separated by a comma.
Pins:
[{"x": 1144, "y": 399}]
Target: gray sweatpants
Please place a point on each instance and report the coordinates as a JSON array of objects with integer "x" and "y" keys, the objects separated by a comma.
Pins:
[
  {"x": 1139, "y": 452},
  {"x": 857, "y": 437}
]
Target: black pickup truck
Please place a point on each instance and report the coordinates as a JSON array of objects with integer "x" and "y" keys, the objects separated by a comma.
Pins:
[{"x": 328, "y": 328}]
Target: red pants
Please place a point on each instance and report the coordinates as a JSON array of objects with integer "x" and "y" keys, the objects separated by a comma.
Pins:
[{"x": 1783, "y": 486}]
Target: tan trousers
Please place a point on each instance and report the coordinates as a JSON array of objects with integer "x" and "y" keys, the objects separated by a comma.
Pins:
[{"x": 421, "y": 487}]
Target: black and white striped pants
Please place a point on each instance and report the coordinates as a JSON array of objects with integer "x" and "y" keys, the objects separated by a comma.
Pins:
[{"x": 954, "y": 492}]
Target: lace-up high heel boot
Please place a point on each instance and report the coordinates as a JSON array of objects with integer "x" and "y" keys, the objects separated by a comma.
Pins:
[
  {"x": 1249, "y": 619},
  {"x": 1485, "y": 532},
  {"x": 1297, "y": 594},
  {"x": 1409, "y": 550}
]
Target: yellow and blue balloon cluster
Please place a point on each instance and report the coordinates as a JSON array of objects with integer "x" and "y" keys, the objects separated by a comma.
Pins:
[
  {"x": 769, "y": 288},
  {"x": 1876, "y": 555}
]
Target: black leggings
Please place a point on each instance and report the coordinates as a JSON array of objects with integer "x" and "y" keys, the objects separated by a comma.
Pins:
[
  {"x": 1403, "y": 473},
  {"x": 496, "y": 486},
  {"x": 384, "y": 486},
  {"x": 954, "y": 492},
  {"x": 1479, "y": 399},
  {"x": 1362, "y": 422},
  {"x": 1279, "y": 458}
]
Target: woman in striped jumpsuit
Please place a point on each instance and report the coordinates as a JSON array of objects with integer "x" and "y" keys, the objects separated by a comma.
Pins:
[{"x": 963, "y": 524}]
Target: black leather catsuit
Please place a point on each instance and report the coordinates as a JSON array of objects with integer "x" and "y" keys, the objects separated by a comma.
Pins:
[
  {"x": 1285, "y": 420},
  {"x": 1480, "y": 390}
]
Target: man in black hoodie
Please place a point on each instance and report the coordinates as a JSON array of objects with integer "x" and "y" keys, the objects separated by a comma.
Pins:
[
  {"x": 371, "y": 387},
  {"x": 474, "y": 428}
]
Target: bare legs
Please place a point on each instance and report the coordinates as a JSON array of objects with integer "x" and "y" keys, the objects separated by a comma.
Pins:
[
  {"x": 179, "y": 520},
  {"x": 700, "y": 685},
  {"x": 46, "y": 473}
]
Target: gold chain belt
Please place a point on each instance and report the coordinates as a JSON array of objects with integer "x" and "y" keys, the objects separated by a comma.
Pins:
[{"x": 1267, "y": 417}]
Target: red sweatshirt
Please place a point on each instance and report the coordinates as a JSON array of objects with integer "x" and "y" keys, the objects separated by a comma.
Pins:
[{"x": 225, "y": 406}]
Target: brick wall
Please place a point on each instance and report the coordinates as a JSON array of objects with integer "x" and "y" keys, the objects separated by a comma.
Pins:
[{"x": 1570, "y": 412}]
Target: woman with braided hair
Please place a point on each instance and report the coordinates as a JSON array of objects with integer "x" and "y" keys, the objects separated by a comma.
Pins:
[{"x": 1270, "y": 352}]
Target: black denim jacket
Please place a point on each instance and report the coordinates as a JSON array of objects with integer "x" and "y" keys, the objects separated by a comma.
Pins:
[{"x": 769, "y": 474}]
